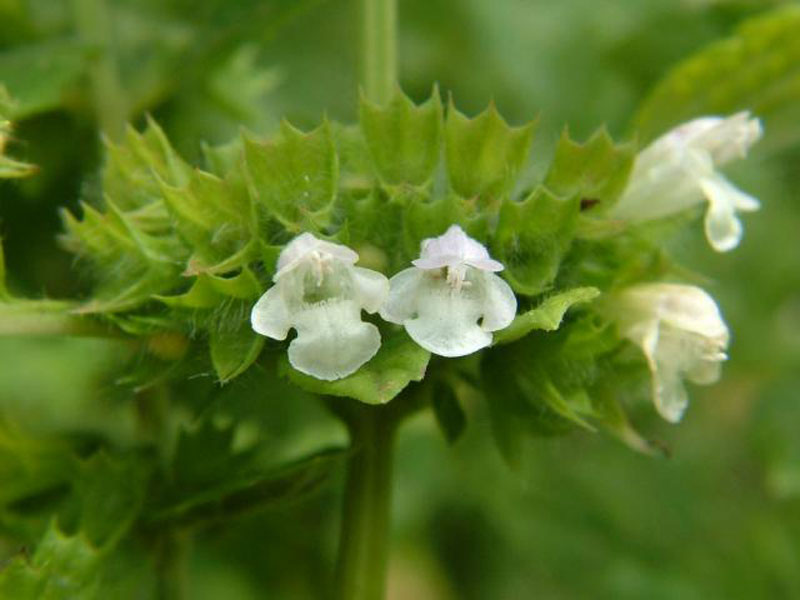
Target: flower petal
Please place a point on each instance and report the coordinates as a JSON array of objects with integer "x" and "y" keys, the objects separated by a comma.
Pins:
[
  {"x": 723, "y": 228},
  {"x": 372, "y": 288},
  {"x": 499, "y": 305},
  {"x": 332, "y": 342},
  {"x": 669, "y": 394},
  {"x": 270, "y": 315},
  {"x": 447, "y": 320},
  {"x": 403, "y": 294}
]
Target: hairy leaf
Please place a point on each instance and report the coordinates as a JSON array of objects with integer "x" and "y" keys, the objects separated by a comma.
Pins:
[
  {"x": 398, "y": 362},
  {"x": 404, "y": 140},
  {"x": 755, "y": 69},
  {"x": 484, "y": 154}
]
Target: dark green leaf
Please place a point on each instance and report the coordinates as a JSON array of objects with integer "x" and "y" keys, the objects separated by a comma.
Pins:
[
  {"x": 449, "y": 414},
  {"x": 532, "y": 238}
]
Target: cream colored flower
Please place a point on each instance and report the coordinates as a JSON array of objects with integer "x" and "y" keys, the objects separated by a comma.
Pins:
[
  {"x": 679, "y": 170},
  {"x": 320, "y": 293},
  {"x": 450, "y": 301},
  {"x": 682, "y": 335}
]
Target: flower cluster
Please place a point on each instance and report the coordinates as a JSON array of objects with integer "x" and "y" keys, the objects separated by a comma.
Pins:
[{"x": 449, "y": 302}]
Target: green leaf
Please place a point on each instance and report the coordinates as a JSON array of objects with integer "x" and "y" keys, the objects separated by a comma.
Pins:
[
  {"x": 136, "y": 169},
  {"x": 205, "y": 459},
  {"x": 532, "y": 238},
  {"x": 484, "y": 154},
  {"x": 547, "y": 316},
  {"x": 404, "y": 140},
  {"x": 216, "y": 218},
  {"x": 398, "y": 362},
  {"x": 39, "y": 74},
  {"x": 109, "y": 492},
  {"x": 596, "y": 170},
  {"x": 755, "y": 69},
  {"x": 62, "y": 568},
  {"x": 234, "y": 350},
  {"x": 448, "y": 412},
  {"x": 286, "y": 483},
  {"x": 9, "y": 168},
  {"x": 295, "y": 177}
]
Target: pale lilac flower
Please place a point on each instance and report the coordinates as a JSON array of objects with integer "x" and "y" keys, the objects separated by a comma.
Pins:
[
  {"x": 320, "y": 293},
  {"x": 679, "y": 170},
  {"x": 451, "y": 300}
]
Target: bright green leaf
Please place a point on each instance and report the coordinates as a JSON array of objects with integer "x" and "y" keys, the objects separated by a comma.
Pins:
[
  {"x": 234, "y": 350},
  {"x": 484, "y": 154},
  {"x": 39, "y": 74},
  {"x": 596, "y": 170},
  {"x": 532, "y": 238},
  {"x": 403, "y": 139},
  {"x": 398, "y": 362},
  {"x": 547, "y": 316},
  {"x": 295, "y": 177},
  {"x": 62, "y": 568},
  {"x": 755, "y": 69}
]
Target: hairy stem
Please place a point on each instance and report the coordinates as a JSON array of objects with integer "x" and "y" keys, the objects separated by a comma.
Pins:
[
  {"x": 366, "y": 510},
  {"x": 379, "y": 49},
  {"x": 49, "y": 317},
  {"x": 93, "y": 24}
]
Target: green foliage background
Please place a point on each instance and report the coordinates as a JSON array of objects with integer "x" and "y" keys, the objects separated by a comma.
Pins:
[{"x": 582, "y": 516}]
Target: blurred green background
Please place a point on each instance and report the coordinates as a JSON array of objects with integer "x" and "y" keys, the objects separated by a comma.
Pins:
[{"x": 585, "y": 517}]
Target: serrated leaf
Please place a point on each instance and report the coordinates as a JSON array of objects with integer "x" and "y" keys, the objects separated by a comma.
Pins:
[
  {"x": 136, "y": 168},
  {"x": 62, "y": 568},
  {"x": 484, "y": 154},
  {"x": 448, "y": 412},
  {"x": 216, "y": 218},
  {"x": 205, "y": 458},
  {"x": 532, "y": 238},
  {"x": 234, "y": 350},
  {"x": 286, "y": 483},
  {"x": 295, "y": 177},
  {"x": 108, "y": 493},
  {"x": 9, "y": 168},
  {"x": 404, "y": 140},
  {"x": 596, "y": 170},
  {"x": 755, "y": 69},
  {"x": 398, "y": 362},
  {"x": 547, "y": 316}
]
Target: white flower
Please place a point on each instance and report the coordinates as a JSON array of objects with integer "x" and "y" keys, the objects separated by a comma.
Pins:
[
  {"x": 320, "y": 293},
  {"x": 450, "y": 301},
  {"x": 678, "y": 170},
  {"x": 680, "y": 331}
]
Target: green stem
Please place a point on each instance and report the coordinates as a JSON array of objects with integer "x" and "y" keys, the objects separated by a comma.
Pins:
[
  {"x": 171, "y": 566},
  {"x": 94, "y": 26},
  {"x": 366, "y": 511},
  {"x": 47, "y": 318},
  {"x": 379, "y": 49}
]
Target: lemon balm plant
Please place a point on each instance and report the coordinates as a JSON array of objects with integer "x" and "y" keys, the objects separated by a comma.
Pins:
[{"x": 379, "y": 268}]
